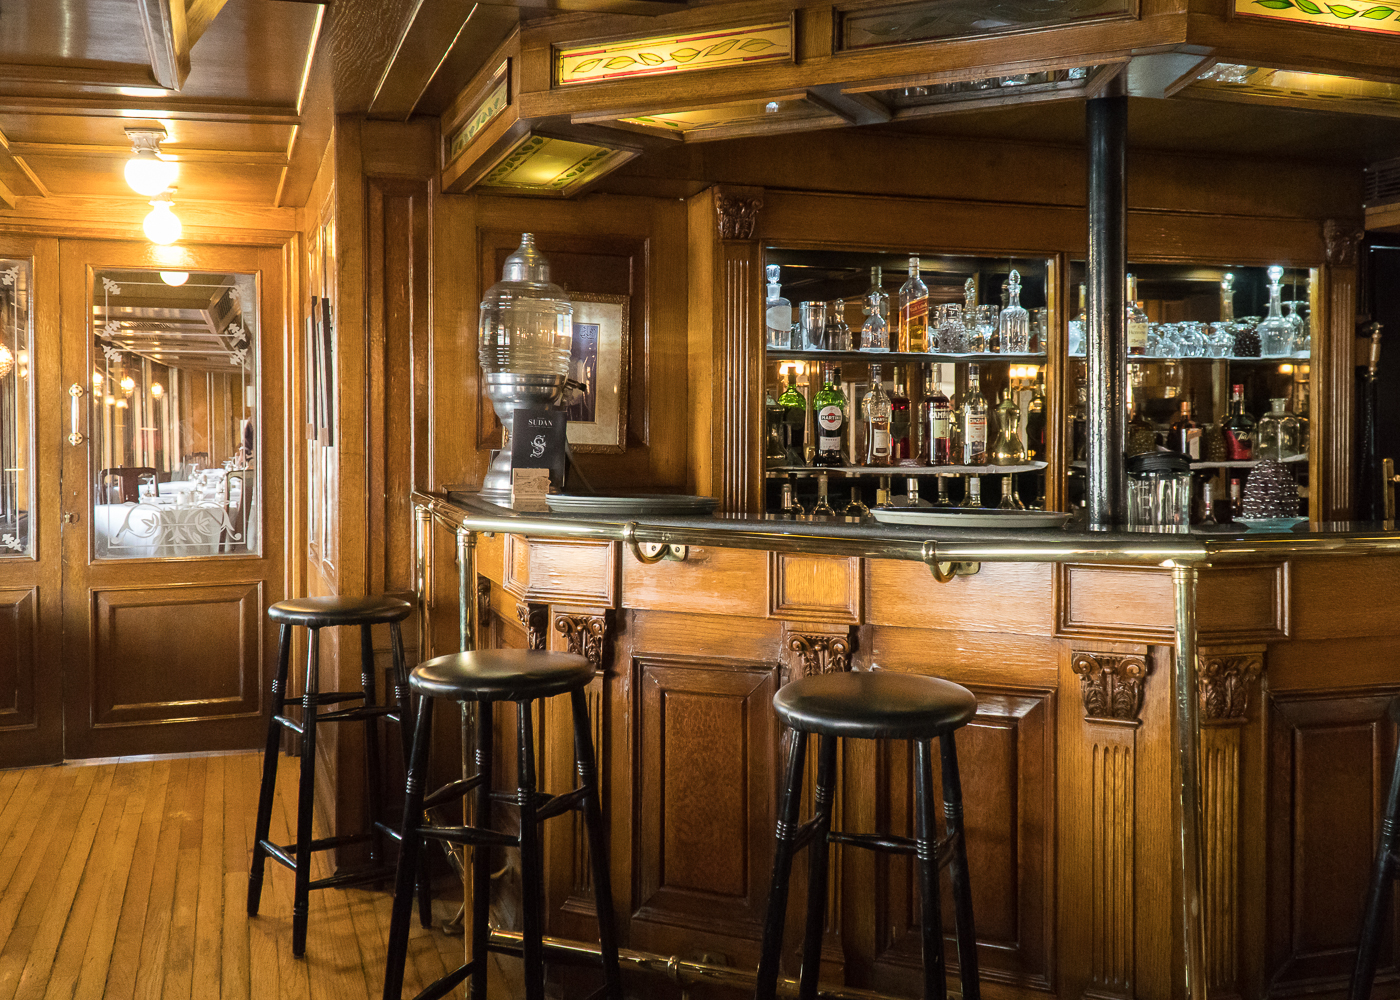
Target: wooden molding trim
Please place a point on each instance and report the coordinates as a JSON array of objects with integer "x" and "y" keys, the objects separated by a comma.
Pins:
[
  {"x": 1342, "y": 240},
  {"x": 586, "y": 635},
  {"x": 821, "y": 653},
  {"x": 1111, "y": 685},
  {"x": 1226, "y": 677},
  {"x": 535, "y": 619},
  {"x": 738, "y": 216}
]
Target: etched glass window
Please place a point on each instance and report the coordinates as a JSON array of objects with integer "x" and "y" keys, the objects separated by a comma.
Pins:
[{"x": 16, "y": 410}]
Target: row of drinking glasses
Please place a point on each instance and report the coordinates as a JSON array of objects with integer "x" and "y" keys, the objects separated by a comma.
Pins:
[
  {"x": 952, "y": 329},
  {"x": 1235, "y": 339}
]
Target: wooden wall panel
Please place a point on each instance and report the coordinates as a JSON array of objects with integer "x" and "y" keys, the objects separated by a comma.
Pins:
[
  {"x": 906, "y": 594},
  {"x": 148, "y": 666},
  {"x": 19, "y": 634},
  {"x": 1117, "y": 602},
  {"x": 709, "y": 582},
  {"x": 1244, "y": 603},
  {"x": 815, "y": 588},
  {"x": 571, "y": 572},
  {"x": 1329, "y": 758},
  {"x": 1346, "y": 598}
]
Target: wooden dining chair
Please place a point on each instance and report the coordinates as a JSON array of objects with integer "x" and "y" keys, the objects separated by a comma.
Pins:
[{"x": 128, "y": 481}]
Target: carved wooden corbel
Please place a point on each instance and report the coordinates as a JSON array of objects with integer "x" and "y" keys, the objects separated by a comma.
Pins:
[
  {"x": 1111, "y": 684},
  {"x": 483, "y": 601},
  {"x": 822, "y": 654},
  {"x": 535, "y": 619},
  {"x": 1341, "y": 240},
  {"x": 587, "y": 635},
  {"x": 737, "y": 216},
  {"x": 1225, "y": 682}
]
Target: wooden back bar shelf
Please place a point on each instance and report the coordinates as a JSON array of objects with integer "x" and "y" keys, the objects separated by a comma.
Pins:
[{"x": 1126, "y": 682}]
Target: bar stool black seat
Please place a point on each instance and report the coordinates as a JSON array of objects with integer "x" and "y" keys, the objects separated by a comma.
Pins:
[
  {"x": 488, "y": 676},
  {"x": 876, "y": 705},
  {"x": 316, "y": 613},
  {"x": 1383, "y": 875}
]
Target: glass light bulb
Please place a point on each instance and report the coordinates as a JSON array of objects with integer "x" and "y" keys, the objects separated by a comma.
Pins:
[
  {"x": 148, "y": 174},
  {"x": 128, "y": 384},
  {"x": 176, "y": 278},
  {"x": 157, "y": 390},
  {"x": 97, "y": 380},
  {"x": 162, "y": 225},
  {"x": 7, "y": 361}
]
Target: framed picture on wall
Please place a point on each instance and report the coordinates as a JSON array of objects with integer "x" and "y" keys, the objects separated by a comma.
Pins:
[{"x": 596, "y": 397}]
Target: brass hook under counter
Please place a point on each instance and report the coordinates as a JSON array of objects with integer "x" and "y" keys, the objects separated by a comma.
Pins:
[
  {"x": 659, "y": 551},
  {"x": 944, "y": 571}
]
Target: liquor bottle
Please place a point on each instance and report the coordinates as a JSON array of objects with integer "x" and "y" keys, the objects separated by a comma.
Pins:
[
  {"x": 1137, "y": 321},
  {"x": 875, "y": 334},
  {"x": 972, "y": 418},
  {"x": 876, "y": 410},
  {"x": 1014, "y": 325},
  {"x": 901, "y": 433},
  {"x": 913, "y": 311},
  {"x": 1227, "y": 298},
  {"x": 1236, "y": 497},
  {"x": 1081, "y": 424},
  {"x": 1184, "y": 436},
  {"x": 973, "y": 495},
  {"x": 794, "y": 426},
  {"x": 1035, "y": 421},
  {"x": 882, "y": 493},
  {"x": 1142, "y": 435},
  {"x": 937, "y": 417},
  {"x": 974, "y": 337},
  {"x": 822, "y": 509},
  {"x": 856, "y": 511},
  {"x": 779, "y": 313},
  {"x": 1276, "y": 436},
  {"x": 830, "y": 406},
  {"x": 876, "y": 302},
  {"x": 1275, "y": 333},
  {"x": 911, "y": 496},
  {"x": 1239, "y": 429},
  {"x": 1008, "y": 448},
  {"x": 791, "y": 509},
  {"x": 838, "y": 334},
  {"x": 773, "y": 419},
  {"x": 942, "y": 499}
]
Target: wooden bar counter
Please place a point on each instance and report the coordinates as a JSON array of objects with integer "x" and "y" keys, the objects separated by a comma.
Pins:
[{"x": 1108, "y": 787}]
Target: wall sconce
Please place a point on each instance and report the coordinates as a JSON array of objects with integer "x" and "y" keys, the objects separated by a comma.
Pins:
[
  {"x": 128, "y": 384},
  {"x": 175, "y": 278},
  {"x": 162, "y": 226},
  {"x": 157, "y": 390},
  {"x": 146, "y": 172},
  {"x": 7, "y": 361},
  {"x": 96, "y": 381},
  {"x": 110, "y": 399}
]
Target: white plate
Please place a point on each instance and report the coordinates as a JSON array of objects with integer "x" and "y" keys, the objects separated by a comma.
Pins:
[
  {"x": 971, "y": 518},
  {"x": 660, "y": 503}
]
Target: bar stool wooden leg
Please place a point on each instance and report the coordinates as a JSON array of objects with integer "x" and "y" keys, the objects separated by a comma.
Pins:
[
  {"x": 766, "y": 987},
  {"x": 1378, "y": 899},
  {"x": 531, "y": 863},
  {"x": 402, "y": 697},
  {"x": 374, "y": 771},
  {"x": 818, "y": 856},
  {"x": 584, "y": 760},
  {"x": 958, "y": 870},
  {"x": 306, "y": 795},
  {"x": 481, "y": 854},
  {"x": 926, "y": 849},
  {"x": 425, "y": 895},
  {"x": 409, "y": 851},
  {"x": 267, "y": 793}
]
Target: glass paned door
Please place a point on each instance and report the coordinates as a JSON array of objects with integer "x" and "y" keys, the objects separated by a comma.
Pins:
[
  {"x": 173, "y": 414},
  {"x": 16, "y": 409}
]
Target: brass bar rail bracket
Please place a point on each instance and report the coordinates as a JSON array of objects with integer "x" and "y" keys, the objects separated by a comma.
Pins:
[
  {"x": 651, "y": 553},
  {"x": 945, "y": 570}
]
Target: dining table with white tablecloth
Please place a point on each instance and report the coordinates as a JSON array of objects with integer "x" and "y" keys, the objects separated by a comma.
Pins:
[{"x": 164, "y": 526}]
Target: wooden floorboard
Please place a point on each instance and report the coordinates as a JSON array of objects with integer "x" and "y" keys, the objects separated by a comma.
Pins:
[{"x": 129, "y": 880}]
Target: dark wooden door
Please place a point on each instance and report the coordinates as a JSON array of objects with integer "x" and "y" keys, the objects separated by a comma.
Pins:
[{"x": 166, "y": 646}]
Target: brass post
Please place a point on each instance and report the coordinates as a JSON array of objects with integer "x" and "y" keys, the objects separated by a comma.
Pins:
[{"x": 1188, "y": 751}]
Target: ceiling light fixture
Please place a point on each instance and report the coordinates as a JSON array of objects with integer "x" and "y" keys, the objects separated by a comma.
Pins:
[
  {"x": 7, "y": 361},
  {"x": 162, "y": 226},
  {"x": 146, "y": 172},
  {"x": 176, "y": 278},
  {"x": 128, "y": 384},
  {"x": 157, "y": 390}
]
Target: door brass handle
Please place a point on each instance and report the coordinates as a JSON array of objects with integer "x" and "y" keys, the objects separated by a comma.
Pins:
[
  {"x": 70, "y": 518},
  {"x": 75, "y": 436}
]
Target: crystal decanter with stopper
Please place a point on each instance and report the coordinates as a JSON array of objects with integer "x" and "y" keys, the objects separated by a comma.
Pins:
[
  {"x": 838, "y": 334},
  {"x": 875, "y": 334},
  {"x": 976, "y": 341},
  {"x": 778, "y": 313},
  {"x": 1014, "y": 326},
  {"x": 1274, "y": 332}
]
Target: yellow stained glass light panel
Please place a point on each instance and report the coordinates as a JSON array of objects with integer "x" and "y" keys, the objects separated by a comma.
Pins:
[
  {"x": 1320, "y": 90},
  {"x": 665, "y": 54},
  {"x": 493, "y": 105},
  {"x": 1378, "y": 17},
  {"x": 548, "y": 165}
]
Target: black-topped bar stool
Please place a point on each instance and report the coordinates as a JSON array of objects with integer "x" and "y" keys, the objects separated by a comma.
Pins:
[
  {"x": 316, "y": 613},
  {"x": 485, "y": 677},
  {"x": 872, "y": 706},
  {"x": 1383, "y": 875}
]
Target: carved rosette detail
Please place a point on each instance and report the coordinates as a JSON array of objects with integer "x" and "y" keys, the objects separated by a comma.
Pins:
[
  {"x": 1341, "y": 240},
  {"x": 535, "y": 619},
  {"x": 587, "y": 635},
  {"x": 1225, "y": 681},
  {"x": 737, "y": 216},
  {"x": 1111, "y": 684},
  {"x": 821, "y": 654}
]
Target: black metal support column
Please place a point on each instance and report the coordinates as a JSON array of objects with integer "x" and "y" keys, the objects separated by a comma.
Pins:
[{"x": 1105, "y": 495}]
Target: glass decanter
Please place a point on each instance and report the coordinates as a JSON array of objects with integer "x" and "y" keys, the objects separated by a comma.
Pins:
[
  {"x": 1276, "y": 434},
  {"x": 1274, "y": 332},
  {"x": 778, "y": 313},
  {"x": 1008, "y": 449},
  {"x": 1014, "y": 326},
  {"x": 875, "y": 334},
  {"x": 952, "y": 331},
  {"x": 976, "y": 340},
  {"x": 838, "y": 334}
]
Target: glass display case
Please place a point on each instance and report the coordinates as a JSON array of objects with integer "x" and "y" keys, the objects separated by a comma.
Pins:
[{"x": 905, "y": 380}]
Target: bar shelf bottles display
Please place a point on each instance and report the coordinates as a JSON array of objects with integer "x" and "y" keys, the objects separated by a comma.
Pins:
[{"x": 912, "y": 372}]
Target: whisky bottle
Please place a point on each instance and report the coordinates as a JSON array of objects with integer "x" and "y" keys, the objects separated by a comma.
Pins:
[
  {"x": 901, "y": 445},
  {"x": 794, "y": 422},
  {"x": 911, "y": 495},
  {"x": 791, "y": 508},
  {"x": 822, "y": 509},
  {"x": 913, "y": 311},
  {"x": 1184, "y": 435},
  {"x": 972, "y": 418},
  {"x": 830, "y": 406},
  {"x": 937, "y": 418},
  {"x": 973, "y": 495},
  {"x": 1137, "y": 321},
  {"x": 942, "y": 499},
  {"x": 877, "y": 411},
  {"x": 856, "y": 510},
  {"x": 1239, "y": 429}
]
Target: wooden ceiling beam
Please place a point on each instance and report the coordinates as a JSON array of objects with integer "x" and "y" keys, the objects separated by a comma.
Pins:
[
  {"x": 225, "y": 157},
  {"x": 71, "y": 74},
  {"x": 198, "y": 15},
  {"x": 426, "y": 41},
  {"x": 129, "y": 108},
  {"x": 167, "y": 39}
]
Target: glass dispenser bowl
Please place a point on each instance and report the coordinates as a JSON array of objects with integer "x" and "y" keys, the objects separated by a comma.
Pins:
[
  {"x": 524, "y": 344},
  {"x": 1159, "y": 492}
]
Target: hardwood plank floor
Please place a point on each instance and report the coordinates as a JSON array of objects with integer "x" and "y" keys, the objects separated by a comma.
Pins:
[{"x": 129, "y": 881}]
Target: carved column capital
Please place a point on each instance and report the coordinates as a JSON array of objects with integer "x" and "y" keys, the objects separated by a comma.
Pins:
[
  {"x": 1111, "y": 684},
  {"x": 587, "y": 635},
  {"x": 1225, "y": 681},
  {"x": 737, "y": 216},
  {"x": 822, "y": 654},
  {"x": 1341, "y": 240},
  {"x": 535, "y": 619}
]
